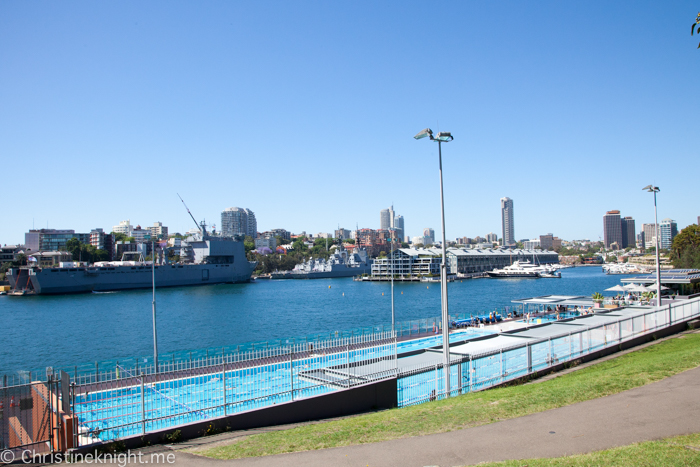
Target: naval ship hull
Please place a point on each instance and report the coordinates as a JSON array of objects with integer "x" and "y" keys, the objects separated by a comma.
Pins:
[{"x": 107, "y": 279}]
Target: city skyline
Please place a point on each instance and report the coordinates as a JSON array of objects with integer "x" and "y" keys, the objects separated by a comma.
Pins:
[{"x": 123, "y": 89}]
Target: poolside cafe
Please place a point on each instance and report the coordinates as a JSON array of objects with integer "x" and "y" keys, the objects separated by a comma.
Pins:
[{"x": 550, "y": 303}]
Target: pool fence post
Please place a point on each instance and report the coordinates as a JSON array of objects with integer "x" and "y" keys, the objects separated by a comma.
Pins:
[
  {"x": 619, "y": 331},
  {"x": 503, "y": 370},
  {"x": 223, "y": 378},
  {"x": 143, "y": 406},
  {"x": 670, "y": 316},
  {"x": 571, "y": 346},
  {"x": 580, "y": 343},
  {"x": 459, "y": 378},
  {"x": 291, "y": 370},
  {"x": 97, "y": 373},
  {"x": 471, "y": 371},
  {"x": 529, "y": 357},
  {"x": 551, "y": 352},
  {"x": 347, "y": 359}
]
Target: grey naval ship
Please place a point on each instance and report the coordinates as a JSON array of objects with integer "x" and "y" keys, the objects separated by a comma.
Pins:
[
  {"x": 215, "y": 260},
  {"x": 340, "y": 264}
]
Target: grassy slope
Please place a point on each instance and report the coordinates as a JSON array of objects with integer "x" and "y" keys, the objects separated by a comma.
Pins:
[
  {"x": 613, "y": 376},
  {"x": 676, "y": 451}
]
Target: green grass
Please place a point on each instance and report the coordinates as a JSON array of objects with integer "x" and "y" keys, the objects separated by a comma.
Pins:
[
  {"x": 676, "y": 451},
  {"x": 629, "y": 371}
]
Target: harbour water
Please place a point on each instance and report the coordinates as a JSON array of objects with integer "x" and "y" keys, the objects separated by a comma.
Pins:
[{"x": 67, "y": 330}]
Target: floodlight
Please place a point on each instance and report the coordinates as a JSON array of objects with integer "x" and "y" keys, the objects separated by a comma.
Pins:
[{"x": 425, "y": 133}]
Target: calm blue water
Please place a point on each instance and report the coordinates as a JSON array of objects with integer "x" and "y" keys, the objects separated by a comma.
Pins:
[{"x": 74, "y": 329}]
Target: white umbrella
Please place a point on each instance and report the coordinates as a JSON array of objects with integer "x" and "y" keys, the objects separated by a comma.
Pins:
[
  {"x": 617, "y": 288},
  {"x": 638, "y": 288},
  {"x": 652, "y": 288}
]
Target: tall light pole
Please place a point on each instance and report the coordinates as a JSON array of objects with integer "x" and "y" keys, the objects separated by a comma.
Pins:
[
  {"x": 391, "y": 259},
  {"x": 153, "y": 279},
  {"x": 656, "y": 189},
  {"x": 442, "y": 137}
]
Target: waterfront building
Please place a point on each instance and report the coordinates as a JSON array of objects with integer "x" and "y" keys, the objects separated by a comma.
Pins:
[
  {"x": 9, "y": 253},
  {"x": 159, "y": 230},
  {"x": 428, "y": 232},
  {"x": 531, "y": 244},
  {"x": 51, "y": 239},
  {"x": 668, "y": 229},
  {"x": 238, "y": 221},
  {"x": 367, "y": 238},
  {"x": 507, "y": 221},
  {"x": 124, "y": 227},
  {"x": 649, "y": 231},
  {"x": 627, "y": 226},
  {"x": 398, "y": 225},
  {"x": 612, "y": 228},
  {"x": 412, "y": 262}
]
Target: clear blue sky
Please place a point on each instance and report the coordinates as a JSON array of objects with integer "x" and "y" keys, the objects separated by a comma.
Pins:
[{"x": 304, "y": 112}]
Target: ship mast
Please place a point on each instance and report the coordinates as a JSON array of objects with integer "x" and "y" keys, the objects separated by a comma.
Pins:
[{"x": 201, "y": 228}]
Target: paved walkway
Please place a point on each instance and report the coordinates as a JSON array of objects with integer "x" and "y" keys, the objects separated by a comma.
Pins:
[{"x": 669, "y": 407}]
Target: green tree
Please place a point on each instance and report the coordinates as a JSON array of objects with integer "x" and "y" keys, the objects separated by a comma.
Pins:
[
  {"x": 248, "y": 243},
  {"x": 349, "y": 240},
  {"x": 685, "y": 250},
  {"x": 119, "y": 237}
]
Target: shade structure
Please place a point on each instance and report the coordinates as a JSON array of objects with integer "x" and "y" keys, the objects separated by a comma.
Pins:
[
  {"x": 617, "y": 288},
  {"x": 638, "y": 288},
  {"x": 652, "y": 288}
]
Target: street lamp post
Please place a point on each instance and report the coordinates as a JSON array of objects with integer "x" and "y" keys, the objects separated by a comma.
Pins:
[
  {"x": 656, "y": 189},
  {"x": 442, "y": 137},
  {"x": 153, "y": 279}
]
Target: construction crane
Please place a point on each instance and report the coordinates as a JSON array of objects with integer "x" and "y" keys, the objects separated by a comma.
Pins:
[{"x": 202, "y": 227}]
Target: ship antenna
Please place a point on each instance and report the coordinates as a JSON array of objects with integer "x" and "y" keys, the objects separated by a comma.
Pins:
[{"x": 202, "y": 229}]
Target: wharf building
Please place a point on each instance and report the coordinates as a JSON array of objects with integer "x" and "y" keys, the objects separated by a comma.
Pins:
[
  {"x": 238, "y": 221},
  {"x": 413, "y": 263},
  {"x": 507, "y": 221},
  {"x": 9, "y": 253}
]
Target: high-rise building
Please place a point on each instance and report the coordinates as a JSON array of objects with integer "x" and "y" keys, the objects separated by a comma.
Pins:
[
  {"x": 429, "y": 233},
  {"x": 668, "y": 229},
  {"x": 238, "y": 221},
  {"x": 612, "y": 229},
  {"x": 491, "y": 237},
  {"x": 386, "y": 218},
  {"x": 627, "y": 225},
  {"x": 649, "y": 231},
  {"x": 507, "y": 221},
  {"x": 52, "y": 239},
  {"x": 398, "y": 225}
]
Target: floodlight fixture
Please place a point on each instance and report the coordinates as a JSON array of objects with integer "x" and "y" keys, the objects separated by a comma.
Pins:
[{"x": 425, "y": 133}]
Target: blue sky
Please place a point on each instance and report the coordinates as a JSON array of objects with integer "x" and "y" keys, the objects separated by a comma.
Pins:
[{"x": 304, "y": 112}]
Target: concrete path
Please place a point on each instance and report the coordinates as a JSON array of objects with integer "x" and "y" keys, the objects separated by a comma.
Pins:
[{"x": 667, "y": 408}]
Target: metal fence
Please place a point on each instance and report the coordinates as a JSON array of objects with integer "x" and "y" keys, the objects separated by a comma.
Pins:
[
  {"x": 132, "y": 401},
  {"x": 26, "y": 420},
  {"x": 489, "y": 368}
]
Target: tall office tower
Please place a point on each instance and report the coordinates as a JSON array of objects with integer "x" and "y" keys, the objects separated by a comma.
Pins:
[
  {"x": 398, "y": 225},
  {"x": 668, "y": 229},
  {"x": 430, "y": 233},
  {"x": 507, "y": 221},
  {"x": 627, "y": 225},
  {"x": 238, "y": 221},
  {"x": 649, "y": 231},
  {"x": 612, "y": 229},
  {"x": 491, "y": 237},
  {"x": 385, "y": 220},
  {"x": 252, "y": 224}
]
